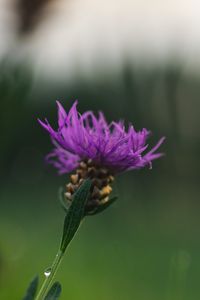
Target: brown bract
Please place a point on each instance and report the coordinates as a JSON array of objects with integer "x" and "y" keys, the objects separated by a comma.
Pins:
[{"x": 101, "y": 183}]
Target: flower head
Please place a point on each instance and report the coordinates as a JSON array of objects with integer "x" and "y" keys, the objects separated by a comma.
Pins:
[{"x": 96, "y": 149}]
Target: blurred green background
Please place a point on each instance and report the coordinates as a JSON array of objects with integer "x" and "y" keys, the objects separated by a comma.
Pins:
[
  {"x": 144, "y": 247},
  {"x": 147, "y": 245}
]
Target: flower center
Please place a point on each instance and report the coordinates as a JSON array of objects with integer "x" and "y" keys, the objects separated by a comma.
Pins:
[{"x": 101, "y": 183}]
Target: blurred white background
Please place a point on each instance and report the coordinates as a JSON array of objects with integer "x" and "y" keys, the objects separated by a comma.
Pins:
[{"x": 83, "y": 36}]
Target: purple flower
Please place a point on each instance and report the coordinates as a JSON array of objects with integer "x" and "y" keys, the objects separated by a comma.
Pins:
[
  {"x": 96, "y": 150},
  {"x": 83, "y": 137}
]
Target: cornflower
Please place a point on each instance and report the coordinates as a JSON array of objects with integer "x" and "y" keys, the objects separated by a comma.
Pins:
[{"x": 96, "y": 149}]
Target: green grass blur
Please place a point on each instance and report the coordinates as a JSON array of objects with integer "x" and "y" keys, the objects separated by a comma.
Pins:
[{"x": 147, "y": 245}]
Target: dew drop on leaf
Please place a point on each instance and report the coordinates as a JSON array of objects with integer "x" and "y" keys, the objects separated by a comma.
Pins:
[{"x": 47, "y": 272}]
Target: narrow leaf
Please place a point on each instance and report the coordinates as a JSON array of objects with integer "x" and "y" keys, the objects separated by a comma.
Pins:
[
  {"x": 32, "y": 289},
  {"x": 75, "y": 214},
  {"x": 54, "y": 292},
  {"x": 102, "y": 207}
]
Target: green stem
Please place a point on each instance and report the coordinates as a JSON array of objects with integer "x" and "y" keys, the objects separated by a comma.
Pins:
[{"x": 54, "y": 268}]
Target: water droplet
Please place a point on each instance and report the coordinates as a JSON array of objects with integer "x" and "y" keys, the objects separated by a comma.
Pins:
[{"x": 47, "y": 272}]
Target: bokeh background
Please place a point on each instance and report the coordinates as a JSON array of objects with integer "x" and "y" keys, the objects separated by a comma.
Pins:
[{"x": 135, "y": 60}]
